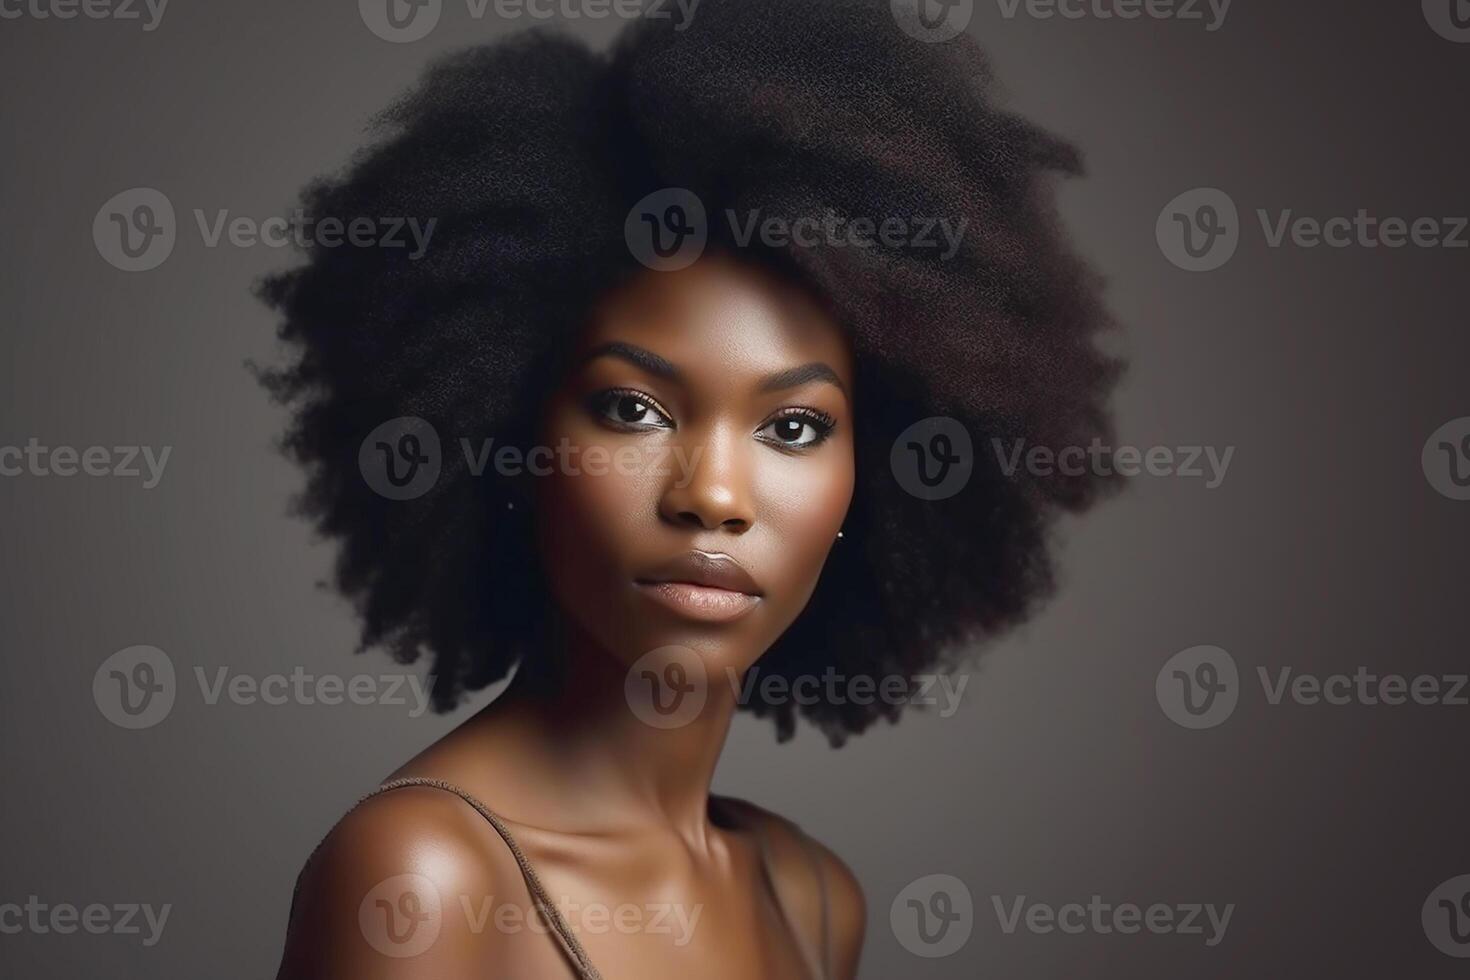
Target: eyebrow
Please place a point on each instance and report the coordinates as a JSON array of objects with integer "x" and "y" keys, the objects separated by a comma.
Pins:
[{"x": 649, "y": 361}]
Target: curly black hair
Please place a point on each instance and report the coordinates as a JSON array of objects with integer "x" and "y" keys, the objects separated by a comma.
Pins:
[{"x": 530, "y": 151}]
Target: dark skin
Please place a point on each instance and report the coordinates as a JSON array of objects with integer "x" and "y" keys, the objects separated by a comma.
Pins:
[{"x": 745, "y": 387}]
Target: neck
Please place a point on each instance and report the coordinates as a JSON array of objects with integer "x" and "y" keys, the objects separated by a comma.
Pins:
[{"x": 603, "y": 751}]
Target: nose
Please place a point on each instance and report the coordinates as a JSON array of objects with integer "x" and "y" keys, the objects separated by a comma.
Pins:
[{"x": 709, "y": 486}]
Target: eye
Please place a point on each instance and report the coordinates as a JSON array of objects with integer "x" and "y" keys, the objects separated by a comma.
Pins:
[
  {"x": 629, "y": 409},
  {"x": 799, "y": 428}
]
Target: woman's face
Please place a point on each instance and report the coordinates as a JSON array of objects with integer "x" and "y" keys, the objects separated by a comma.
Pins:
[{"x": 703, "y": 463}]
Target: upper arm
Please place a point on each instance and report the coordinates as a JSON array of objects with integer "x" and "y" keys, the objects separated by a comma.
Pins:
[{"x": 381, "y": 899}]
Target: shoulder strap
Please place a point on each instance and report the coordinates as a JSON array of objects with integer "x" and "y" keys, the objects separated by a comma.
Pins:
[
  {"x": 825, "y": 933},
  {"x": 819, "y": 963},
  {"x": 566, "y": 939}
]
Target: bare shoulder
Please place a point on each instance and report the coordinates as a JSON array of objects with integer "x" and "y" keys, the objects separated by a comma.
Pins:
[
  {"x": 810, "y": 872},
  {"x": 380, "y": 895}
]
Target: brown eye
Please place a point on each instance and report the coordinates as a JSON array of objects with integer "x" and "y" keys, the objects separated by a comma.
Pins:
[
  {"x": 798, "y": 430},
  {"x": 630, "y": 409}
]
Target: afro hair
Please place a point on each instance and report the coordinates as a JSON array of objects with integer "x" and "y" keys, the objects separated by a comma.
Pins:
[{"x": 529, "y": 153}]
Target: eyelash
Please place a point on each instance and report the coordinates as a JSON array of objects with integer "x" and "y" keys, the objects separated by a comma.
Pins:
[{"x": 822, "y": 423}]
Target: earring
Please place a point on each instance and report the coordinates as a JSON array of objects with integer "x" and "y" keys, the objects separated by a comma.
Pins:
[{"x": 839, "y": 535}]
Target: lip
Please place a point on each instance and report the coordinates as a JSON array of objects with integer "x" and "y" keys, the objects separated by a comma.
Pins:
[{"x": 711, "y": 587}]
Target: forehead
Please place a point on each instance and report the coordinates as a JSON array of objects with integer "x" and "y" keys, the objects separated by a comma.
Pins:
[{"x": 721, "y": 318}]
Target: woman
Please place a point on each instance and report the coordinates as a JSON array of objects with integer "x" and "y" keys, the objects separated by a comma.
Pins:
[{"x": 714, "y": 478}]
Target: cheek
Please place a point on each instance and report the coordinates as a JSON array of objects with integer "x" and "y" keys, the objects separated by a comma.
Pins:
[
  {"x": 803, "y": 503},
  {"x": 600, "y": 496}
]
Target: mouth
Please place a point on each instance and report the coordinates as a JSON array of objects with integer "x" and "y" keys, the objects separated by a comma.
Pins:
[{"x": 703, "y": 586}]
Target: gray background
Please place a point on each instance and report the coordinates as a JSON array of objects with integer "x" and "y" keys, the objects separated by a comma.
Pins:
[{"x": 1325, "y": 548}]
